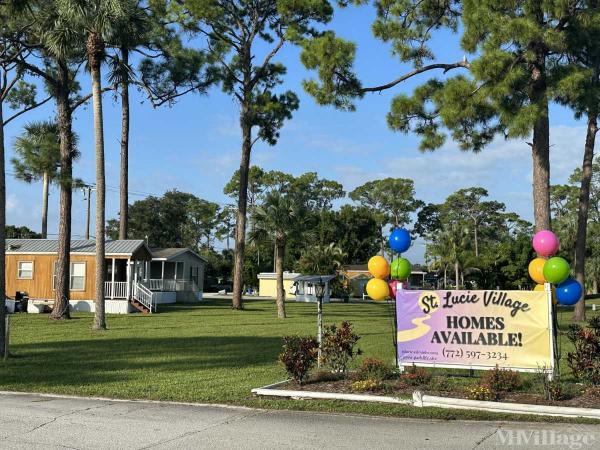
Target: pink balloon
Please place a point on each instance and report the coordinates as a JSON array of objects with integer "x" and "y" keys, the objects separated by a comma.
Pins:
[
  {"x": 393, "y": 284},
  {"x": 545, "y": 243}
]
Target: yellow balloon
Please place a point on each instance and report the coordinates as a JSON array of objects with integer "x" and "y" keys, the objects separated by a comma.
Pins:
[
  {"x": 379, "y": 267},
  {"x": 378, "y": 289},
  {"x": 536, "y": 270}
]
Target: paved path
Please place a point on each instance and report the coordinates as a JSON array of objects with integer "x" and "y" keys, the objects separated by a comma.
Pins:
[{"x": 34, "y": 421}]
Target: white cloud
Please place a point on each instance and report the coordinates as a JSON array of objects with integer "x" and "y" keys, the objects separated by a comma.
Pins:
[{"x": 504, "y": 168}]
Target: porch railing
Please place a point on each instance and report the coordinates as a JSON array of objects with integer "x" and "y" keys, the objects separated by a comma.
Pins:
[
  {"x": 144, "y": 295},
  {"x": 170, "y": 285},
  {"x": 118, "y": 289}
]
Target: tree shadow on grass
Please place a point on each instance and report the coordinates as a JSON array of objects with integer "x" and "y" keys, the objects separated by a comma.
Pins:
[{"x": 98, "y": 361}]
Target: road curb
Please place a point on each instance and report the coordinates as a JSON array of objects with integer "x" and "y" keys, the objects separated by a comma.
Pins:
[
  {"x": 270, "y": 390},
  {"x": 420, "y": 400}
]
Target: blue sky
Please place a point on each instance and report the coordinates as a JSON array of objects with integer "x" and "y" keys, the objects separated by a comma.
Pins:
[{"x": 194, "y": 146}]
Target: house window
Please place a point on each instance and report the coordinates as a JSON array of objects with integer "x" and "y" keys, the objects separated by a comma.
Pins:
[
  {"x": 25, "y": 270},
  {"x": 77, "y": 276}
]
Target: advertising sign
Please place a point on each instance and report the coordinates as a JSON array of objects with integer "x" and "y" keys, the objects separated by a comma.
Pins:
[{"x": 475, "y": 329}]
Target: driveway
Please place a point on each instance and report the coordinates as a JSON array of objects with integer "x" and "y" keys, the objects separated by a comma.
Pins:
[{"x": 46, "y": 422}]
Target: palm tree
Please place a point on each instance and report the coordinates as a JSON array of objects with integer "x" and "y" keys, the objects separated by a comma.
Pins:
[
  {"x": 275, "y": 219},
  {"x": 51, "y": 37},
  {"x": 38, "y": 158},
  {"x": 97, "y": 19},
  {"x": 450, "y": 245},
  {"x": 322, "y": 259},
  {"x": 129, "y": 35}
]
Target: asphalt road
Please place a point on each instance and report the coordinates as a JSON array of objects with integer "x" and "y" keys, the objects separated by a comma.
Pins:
[{"x": 41, "y": 422}]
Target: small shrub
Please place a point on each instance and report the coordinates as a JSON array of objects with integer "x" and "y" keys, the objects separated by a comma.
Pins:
[
  {"x": 299, "y": 355},
  {"x": 374, "y": 369},
  {"x": 593, "y": 392},
  {"x": 500, "y": 381},
  {"x": 416, "y": 376},
  {"x": 338, "y": 346},
  {"x": 439, "y": 384},
  {"x": 479, "y": 392},
  {"x": 584, "y": 362},
  {"x": 365, "y": 385},
  {"x": 555, "y": 390},
  {"x": 552, "y": 389}
]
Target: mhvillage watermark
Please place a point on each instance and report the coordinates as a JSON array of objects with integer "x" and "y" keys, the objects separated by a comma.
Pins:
[{"x": 570, "y": 438}]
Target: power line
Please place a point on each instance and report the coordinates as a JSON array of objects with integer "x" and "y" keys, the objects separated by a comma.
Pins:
[{"x": 133, "y": 192}]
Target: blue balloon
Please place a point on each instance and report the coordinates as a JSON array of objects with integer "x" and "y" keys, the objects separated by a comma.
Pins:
[
  {"x": 568, "y": 292},
  {"x": 399, "y": 240}
]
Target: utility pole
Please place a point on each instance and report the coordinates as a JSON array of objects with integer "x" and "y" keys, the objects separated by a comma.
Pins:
[{"x": 88, "y": 190}]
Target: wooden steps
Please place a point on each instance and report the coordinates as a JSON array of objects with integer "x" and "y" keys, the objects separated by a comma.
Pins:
[{"x": 137, "y": 305}]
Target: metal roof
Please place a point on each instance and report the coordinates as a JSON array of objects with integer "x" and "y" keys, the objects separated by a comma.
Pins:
[
  {"x": 171, "y": 253},
  {"x": 117, "y": 247},
  {"x": 315, "y": 278}
]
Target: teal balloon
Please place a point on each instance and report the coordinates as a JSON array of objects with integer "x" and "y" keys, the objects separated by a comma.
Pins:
[
  {"x": 556, "y": 270},
  {"x": 400, "y": 269}
]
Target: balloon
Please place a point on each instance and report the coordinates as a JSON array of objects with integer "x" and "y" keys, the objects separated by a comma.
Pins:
[
  {"x": 568, "y": 292},
  {"x": 377, "y": 289},
  {"x": 400, "y": 269},
  {"x": 379, "y": 267},
  {"x": 393, "y": 284},
  {"x": 399, "y": 240},
  {"x": 556, "y": 270},
  {"x": 545, "y": 243},
  {"x": 536, "y": 270}
]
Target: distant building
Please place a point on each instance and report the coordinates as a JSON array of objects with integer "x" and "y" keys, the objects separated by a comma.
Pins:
[{"x": 267, "y": 284}]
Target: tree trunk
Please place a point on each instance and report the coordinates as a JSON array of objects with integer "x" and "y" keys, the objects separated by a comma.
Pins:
[
  {"x": 476, "y": 238},
  {"x": 240, "y": 225},
  {"x": 279, "y": 274},
  {"x": 456, "y": 275},
  {"x": 95, "y": 49},
  {"x": 45, "y": 187},
  {"x": 540, "y": 147},
  {"x": 65, "y": 124},
  {"x": 2, "y": 237},
  {"x": 595, "y": 286},
  {"x": 582, "y": 213},
  {"x": 124, "y": 184},
  {"x": 445, "y": 277}
]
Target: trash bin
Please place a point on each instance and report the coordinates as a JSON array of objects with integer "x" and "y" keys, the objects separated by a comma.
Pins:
[{"x": 21, "y": 301}]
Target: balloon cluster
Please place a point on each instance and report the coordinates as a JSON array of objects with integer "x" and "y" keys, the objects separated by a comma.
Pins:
[
  {"x": 385, "y": 276},
  {"x": 548, "y": 268}
]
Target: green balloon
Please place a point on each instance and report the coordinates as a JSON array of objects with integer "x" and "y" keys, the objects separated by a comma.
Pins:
[
  {"x": 556, "y": 270},
  {"x": 400, "y": 269}
]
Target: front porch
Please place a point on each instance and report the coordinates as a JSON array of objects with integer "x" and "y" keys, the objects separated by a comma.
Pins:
[{"x": 163, "y": 281}]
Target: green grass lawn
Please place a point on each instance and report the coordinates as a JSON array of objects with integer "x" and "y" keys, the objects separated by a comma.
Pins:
[{"x": 201, "y": 353}]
